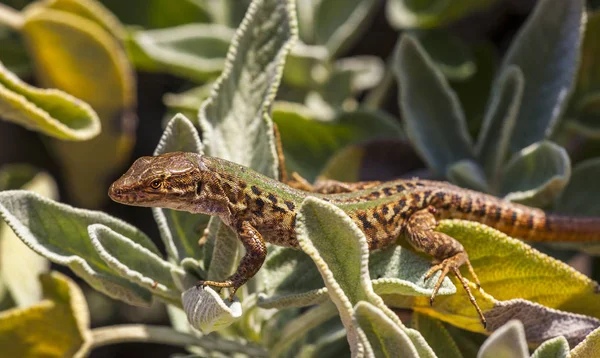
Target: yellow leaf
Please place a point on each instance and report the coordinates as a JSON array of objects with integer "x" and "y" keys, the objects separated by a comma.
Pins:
[
  {"x": 590, "y": 347},
  {"x": 56, "y": 327},
  {"x": 73, "y": 51},
  {"x": 49, "y": 111},
  {"x": 509, "y": 269}
]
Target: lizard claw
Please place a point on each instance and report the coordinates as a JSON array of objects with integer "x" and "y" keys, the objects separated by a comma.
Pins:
[{"x": 452, "y": 264}]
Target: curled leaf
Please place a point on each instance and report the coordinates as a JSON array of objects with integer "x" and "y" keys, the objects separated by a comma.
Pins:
[
  {"x": 206, "y": 310},
  {"x": 49, "y": 111},
  {"x": 59, "y": 233},
  {"x": 58, "y": 326},
  {"x": 536, "y": 175},
  {"x": 193, "y": 51}
]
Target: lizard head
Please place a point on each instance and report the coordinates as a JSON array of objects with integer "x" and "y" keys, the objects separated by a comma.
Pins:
[{"x": 171, "y": 180}]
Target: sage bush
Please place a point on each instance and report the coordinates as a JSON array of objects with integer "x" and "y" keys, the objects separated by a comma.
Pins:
[{"x": 521, "y": 126}]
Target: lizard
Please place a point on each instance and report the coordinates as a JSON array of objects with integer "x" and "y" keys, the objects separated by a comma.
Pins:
[{"x": 260, "y": 209}]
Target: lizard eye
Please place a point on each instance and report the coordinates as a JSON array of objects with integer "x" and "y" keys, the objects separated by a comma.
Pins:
[{"x": 155, "y": 184}]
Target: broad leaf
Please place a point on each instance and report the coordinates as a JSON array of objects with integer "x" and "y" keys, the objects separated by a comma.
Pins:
[
  {"x": 430, "y": 13},
  {"x": 580, "y": 194},
  {"x": 135, "y": 263},
  {"x": 536, "y": 175},
  {"x": 49, "y": 111},
  {"x": 180, "y": 230},
  {"x": 60, "y": 233},
  {"x": 58, "y": 326},
  {"x": 294, "y": 280},
  {"x": 194, "y": 51},
  {"x": 19, "y": 265},
  {"x": 338, "y": 23},
  {"x": 235, "y": 119},
  {"x": 436, "y": 335},
  {"x": 57, "y": 40},
  {"x": 308, "y": 141},
  {"x": 439, "y": 131},
  {"x": 467, "y": 174},
  {"x": 557, "y": 348},
  {"x": 499, "y": 122},
  {"x": 339, "y": 250},
  {"x": 159, "y": 13},
  {"x": 579, "y": 199},
  {"x": 507, "y": 341},
  {"x": 301, "y": 64},
  {"x": 385, "y": 338},
  {"x": 585, "y": 104},
  {"x": 449, "y": 53},
  {"x": 546, "y": 49},
  {"x": 508, "y": 269}
]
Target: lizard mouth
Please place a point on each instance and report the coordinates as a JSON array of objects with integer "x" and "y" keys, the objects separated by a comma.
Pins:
[{"x": 126, "y": 197}]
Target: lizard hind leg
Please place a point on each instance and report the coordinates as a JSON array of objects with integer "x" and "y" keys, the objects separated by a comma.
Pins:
[{"x": 449, "y": 255}]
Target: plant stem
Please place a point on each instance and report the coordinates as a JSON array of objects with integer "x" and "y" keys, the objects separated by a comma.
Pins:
[
  {"x": 11, "y": 17},
  {"x": 162, "y": 334}
]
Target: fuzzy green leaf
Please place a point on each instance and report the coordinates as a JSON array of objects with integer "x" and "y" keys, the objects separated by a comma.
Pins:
[
  {"x": 308, "y": 142},
  {"x": 449, "y": 53},
  {"x": 301, "y": 64},
  {"x": 546, "y": 49},
  {"x": 294, "y": 281},
  {"x": 338, "y": 23},
  {"x": 340, "y": 252},
  {"x": 19, "y": 265},
  {"x": 436, "y": 335},
  {"x": 553, "y": 348},
  {"x": 235, "y": 119},
  {"x": 439, "y": 132},
  {"x": 579, "y": 199},
  {"x": 180, "y": 230},
  {"x": 135, "y": 263},
  {"x": 499, "y": 122},
  {"x": 49, "y": 111},
  {"x": 348, "y": 77},
  {"x": 467, "y": 174},
  {"x": 430, "y": 13},
  {"x": 159, "y": 13},
  {"x": 384, "y": 336},
  {"x": 507, "y": 342},
  {"x": 58, "y": 326},
  {"x": 60, "y": 233},
  {"x": 536, "y": 175},
  {"x": 580, "y": 196},
  {"x": 585, "y": 103},
  {"x": 206, "y": 310},
  {"x": 194, "y": 51}
]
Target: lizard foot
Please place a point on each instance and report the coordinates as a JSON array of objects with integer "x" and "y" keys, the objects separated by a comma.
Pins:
[
  {"x": 220, "y": 284},
  {"x": 453, "y": 263}
]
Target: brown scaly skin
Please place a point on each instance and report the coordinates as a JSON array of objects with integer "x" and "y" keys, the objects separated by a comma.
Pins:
[{"x": 260, "y": 209}]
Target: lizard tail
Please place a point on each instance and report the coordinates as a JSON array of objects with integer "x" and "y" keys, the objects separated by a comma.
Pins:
[{"x": 523, "y": 222}]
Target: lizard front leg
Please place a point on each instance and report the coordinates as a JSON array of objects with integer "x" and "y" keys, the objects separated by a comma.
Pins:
[
  {"x": 448, "y": 253},
  {"x": 256, "y": 252}
]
